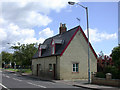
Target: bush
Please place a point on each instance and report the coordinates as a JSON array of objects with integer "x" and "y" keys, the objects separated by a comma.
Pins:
[
  {"x": 100, "y": 75},
  {"x": 113, "y": 70}
]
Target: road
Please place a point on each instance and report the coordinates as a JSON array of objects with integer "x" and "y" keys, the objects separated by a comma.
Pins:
[{"x": 13, "y": 80}]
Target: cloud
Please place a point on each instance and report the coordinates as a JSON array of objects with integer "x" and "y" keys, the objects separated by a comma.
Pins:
[
  {"x": 46, "y": 33},
  {"x": 96, "y": 36},
  {"x": 28, "y": 14},
  {"x": 24, "y": 17},
  {"x": 17, "y": 19},
  {"x": 14, "y": 34}
]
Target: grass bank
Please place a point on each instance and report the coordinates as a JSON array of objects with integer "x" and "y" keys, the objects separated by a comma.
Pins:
[{"x": 20, "y": 70}]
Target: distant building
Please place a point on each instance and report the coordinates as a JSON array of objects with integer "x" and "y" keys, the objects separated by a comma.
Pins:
[{"x": 64, "y": 56}]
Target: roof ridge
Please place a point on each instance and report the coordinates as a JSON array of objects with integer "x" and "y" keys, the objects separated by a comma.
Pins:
[{"x": 62, "y": 34}]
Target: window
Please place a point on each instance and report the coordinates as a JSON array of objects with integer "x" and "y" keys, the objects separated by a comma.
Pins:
[
  {"x": 40, "y": 50},
  {"x": 75, "y": 67},
  {"x": 50, "y": 67},
  {"x": 53, "y": 50},
  {"x": 53, "y": 47},
  {"x": 40, "y": 67}
]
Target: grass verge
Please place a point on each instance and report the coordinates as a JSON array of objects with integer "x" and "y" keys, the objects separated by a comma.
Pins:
[{"x": 20, "y": 70}]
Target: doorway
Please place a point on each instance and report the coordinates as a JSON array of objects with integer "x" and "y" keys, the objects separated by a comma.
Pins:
[
  {"x": 37, "y": 69},
  {"x": 54, "y": 71}
]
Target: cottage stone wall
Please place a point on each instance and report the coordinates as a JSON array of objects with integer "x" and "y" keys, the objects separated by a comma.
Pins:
[
  {"x": 77, "y": 52},
  {"x": 44, "y": 72}
]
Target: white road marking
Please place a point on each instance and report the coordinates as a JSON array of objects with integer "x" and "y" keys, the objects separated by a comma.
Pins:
[
  {"x": 7, "y": 76},
  {"x": 36, "y": 85},
  {"x": 14, "y": 74},
  {"x": 17, "y": 79},
  {"x": 4, "y": 86}
]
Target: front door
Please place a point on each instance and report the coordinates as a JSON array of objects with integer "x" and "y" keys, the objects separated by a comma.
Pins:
[{"x": 37, "y": 69}]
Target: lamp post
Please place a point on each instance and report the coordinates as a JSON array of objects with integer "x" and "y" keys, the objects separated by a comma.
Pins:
[{"x": 86, "y": 8}]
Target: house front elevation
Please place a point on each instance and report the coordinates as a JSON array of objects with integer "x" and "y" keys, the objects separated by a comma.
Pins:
[{"x": 64, "y": 56}]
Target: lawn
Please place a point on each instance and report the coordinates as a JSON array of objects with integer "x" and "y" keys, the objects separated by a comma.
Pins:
[{"x": 20, "y": 70}]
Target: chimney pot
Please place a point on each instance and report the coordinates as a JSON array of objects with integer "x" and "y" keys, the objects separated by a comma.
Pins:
[{"x": 62, "y": 28}]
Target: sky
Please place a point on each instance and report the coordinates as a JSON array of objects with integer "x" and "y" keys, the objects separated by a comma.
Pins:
[
  {"x": 34, "y": 21},
  {"x": 119, "y": 22}
]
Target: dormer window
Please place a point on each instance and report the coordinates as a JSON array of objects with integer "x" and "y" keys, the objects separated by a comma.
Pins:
[
  {"x": 56, "y": 43},
  {"x": 53, "y": 47},
  {"x": 41, "y": 49}
]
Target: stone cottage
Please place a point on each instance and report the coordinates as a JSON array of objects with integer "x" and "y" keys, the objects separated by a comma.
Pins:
[{"x": 64, "y": 56}]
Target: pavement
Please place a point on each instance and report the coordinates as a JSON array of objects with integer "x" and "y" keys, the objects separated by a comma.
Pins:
[
  {"x": 77, "y": 83},
  {"x": 85, "y": 84}
]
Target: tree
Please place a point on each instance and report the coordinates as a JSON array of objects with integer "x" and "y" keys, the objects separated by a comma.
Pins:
[
  {"x": 103, "y": 61},
  {"x": 7, "y": 57},
  {"x": 116, "y": 56},
  {"x": 23, "y": 54}
]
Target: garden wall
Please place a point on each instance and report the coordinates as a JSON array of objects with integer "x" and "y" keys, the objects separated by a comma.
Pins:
[{"x": 105, "y": 81}]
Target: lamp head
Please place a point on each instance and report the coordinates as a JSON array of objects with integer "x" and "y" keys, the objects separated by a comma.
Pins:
[{"x": 71, "y": 3}]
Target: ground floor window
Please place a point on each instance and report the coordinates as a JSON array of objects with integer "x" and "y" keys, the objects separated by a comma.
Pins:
[
  {"x": 50, "y": 67},
  {"x": 75, "y": 67},
  {"x": 40, "y": 67}
]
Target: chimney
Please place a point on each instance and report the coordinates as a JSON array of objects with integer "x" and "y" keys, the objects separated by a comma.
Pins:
[{"x": 62, "y": 28}]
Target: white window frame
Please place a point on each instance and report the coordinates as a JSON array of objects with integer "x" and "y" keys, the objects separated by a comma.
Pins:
[
  {"x": 40, "y": 51},
  {"x": 53, "y": 47},
  {"x": 75, "y": 67},
  {"x": 53, "y": 50}
]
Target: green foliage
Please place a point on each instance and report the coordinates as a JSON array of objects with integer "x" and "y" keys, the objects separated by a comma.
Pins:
[
  {"x": 100, "y": 75},
  {"x": 18, "y": 70},
  {"x": 23, "y": 54},
  {"x": 7, "y": 57},
  {"x": 26, "y": 71},
  {"x": 109, "y": 69},
  {"x": 116, "y": 56},
  {"x": 113, "y": 70}
]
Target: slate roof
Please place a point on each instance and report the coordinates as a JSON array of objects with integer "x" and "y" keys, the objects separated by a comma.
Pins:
[{"x": 66, "y": 37}]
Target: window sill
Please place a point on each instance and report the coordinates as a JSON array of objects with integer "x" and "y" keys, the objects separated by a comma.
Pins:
[{"x": 50, "y": 70}]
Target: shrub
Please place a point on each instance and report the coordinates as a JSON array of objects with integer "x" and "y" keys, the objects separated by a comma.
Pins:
[
  {"x": 113, "y": 70},
  {"x": 100, "y": 75}
]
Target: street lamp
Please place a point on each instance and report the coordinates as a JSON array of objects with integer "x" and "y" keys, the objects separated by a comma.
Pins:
[{"x": 73, "y": 3}]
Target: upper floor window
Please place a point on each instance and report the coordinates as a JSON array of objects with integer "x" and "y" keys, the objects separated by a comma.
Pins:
[
  {"x": 40, "y": 51},
  {"x": 53, "y": 47},
  {"x": 75, "y": 67}
]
